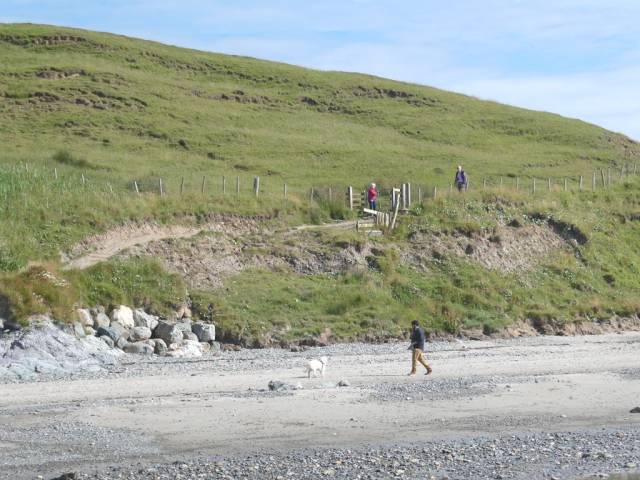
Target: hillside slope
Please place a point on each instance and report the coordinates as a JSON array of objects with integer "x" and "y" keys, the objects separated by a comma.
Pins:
[
  {"x": 140, "y": 108},
  {"x": 86, "y": 114}
]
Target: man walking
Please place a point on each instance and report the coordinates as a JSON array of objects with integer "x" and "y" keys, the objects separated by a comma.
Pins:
[
  {"x": 372, "y": 196},
  {"x": 460, "y": 179},
  {"x": 417, "y": 345}
]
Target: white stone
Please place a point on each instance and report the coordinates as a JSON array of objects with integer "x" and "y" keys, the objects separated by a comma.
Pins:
[
  {"x": 123, "y": 315},
  {"x": 84, "y": 316},
  {"x": 143, "y": 319}
]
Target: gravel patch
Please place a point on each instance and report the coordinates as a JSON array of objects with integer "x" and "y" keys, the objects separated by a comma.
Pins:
[{"x": 524, "y": 456}]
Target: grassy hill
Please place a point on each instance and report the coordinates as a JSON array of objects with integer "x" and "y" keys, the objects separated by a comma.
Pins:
[{"x": 85, "y": 114}]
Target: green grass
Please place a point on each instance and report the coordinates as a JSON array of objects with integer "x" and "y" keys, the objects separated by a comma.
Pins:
[
  {"x": 118, "y": 109},
  {"x": 113, "y": 110}
]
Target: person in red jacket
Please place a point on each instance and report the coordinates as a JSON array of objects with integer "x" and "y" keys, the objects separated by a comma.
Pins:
[{"x": 372, "y": 196}]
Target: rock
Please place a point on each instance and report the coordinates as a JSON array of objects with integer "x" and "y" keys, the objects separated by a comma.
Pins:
[
  {"x": 185, "y": 326},
  {"x": 138, "y": 348},
  {"x": 123, "y": 315},
  {"x": 169, "y": 332},
  {"x": 279, "y": 386},
  {"x": 138, "y": 334},
  {"x": 101, "y": 320},
  {"x": 188, "y": 348},
  {"x": 122, "y": 331},
  {"x": 206, "y": 332},
  {"x": 160, "y": 346},
  {"x": 143, "y": 319},
  {"x": 1, "y": 324},
  {"x": 113, "y": 333},
  {"x": 121, "y": 343},
  {"x": 344, "y": 383},
  {"x": 635, "y": 410},
  {"x": 84, "y": 317},
  {"x": 189, "y": 336},
  {"x": 215, "y": 347},
  {"x": 230, "y": 347},
  {"x": 183, "y": 312},
  {"x": 78, "y": 330},
  {"x": 107, "y": 339},
  {"x": 89, "y": 331},
  {"x": 67, "y": 476},
  {"x": 205, "y": 347}
]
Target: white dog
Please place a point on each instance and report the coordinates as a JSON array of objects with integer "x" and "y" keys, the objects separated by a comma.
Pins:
[{"x": 316, "y": 366}]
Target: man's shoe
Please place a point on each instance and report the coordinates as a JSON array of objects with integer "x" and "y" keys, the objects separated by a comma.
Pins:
[
  {"x": 410, "y": 374},
  {"x": 429, "y": 371}
]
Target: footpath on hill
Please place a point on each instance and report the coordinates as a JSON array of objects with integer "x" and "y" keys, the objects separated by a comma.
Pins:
[{"x": 545, "y": 407}]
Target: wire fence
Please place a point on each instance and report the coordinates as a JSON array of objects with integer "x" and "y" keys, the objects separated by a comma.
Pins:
[{"x": 44, "y": 184}]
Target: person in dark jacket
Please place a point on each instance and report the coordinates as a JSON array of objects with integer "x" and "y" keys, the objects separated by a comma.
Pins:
[
  {"x": 418, "y": 338},
  {"x": 460, "y": 179}
]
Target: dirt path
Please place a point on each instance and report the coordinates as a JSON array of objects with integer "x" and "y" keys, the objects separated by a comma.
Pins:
[
  {"x": 102, "y": 247},
  {"x": 219, "y": 406}
]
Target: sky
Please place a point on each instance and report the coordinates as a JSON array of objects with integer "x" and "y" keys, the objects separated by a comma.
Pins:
[{"x": 578, "y": 58}]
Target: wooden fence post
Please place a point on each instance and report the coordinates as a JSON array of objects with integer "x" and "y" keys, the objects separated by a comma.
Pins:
[
  {"x": 350, "y": 197},
  {"x": 593, "y": 181},
  {"x": 435, "y": 192},
  {"x": 285, "y": 191},
  {"x": 549, "y": 184},
  {"x": 204, "y": 179},
  {"x": 420, "y": 195},
  {"x": 500, "y": 182},
  {"x": 311, "y": 195},
  {"x": 565, "y": 184},
  {"x": 55, "y": 173},
  {"x": 161, "y": 189},
  {"x": 224, "y": 185},
  {"x": 330, "y": 196},
  {"x": 484, "y": 183},
  {"x": 408, "y": 195},
  {"x": 238, "y": 187},
  {"x": 580, "y": 187},
  {"x": 517, "y": 183},
  {"x": 83, "y": 179},
  {"x": 135, "y": 183},
  {"x": 534, "y": 185},
  {"x": 609, "y": 177},
  {"x": 110, "y": 188},
  {"x": 256, "y": 186},
  {"x": 182, "y": 186},
  {"x": 604, "y": 180}
]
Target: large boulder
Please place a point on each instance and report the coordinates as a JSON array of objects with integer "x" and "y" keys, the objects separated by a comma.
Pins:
[
  {"x": 113, "y": 333},
  {"x": 78, "y": 330},
  {"x": 188, "y": 348},
  {"x": 139, "y": 348},
  {"x": 143, "y": 319},
  {"x": 185, "y": 325},
  {"x": 160, "y": 346},
  {"x": 189, "y": 336},
  {"x": 206, "y": 332},
  {"x": 169, "y": 332},
  {"x": 101, "y": 320},
  {"x": 139, "y": 334},
  {"x": 122, "y": 330},
  {"x": 123, "y": 315},
  {"x": 108, "y": 340},
  {"x": 84, "y": 317}
]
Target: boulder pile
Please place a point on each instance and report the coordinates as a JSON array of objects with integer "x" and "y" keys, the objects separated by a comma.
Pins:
[{"x": 138, "y": 332}]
